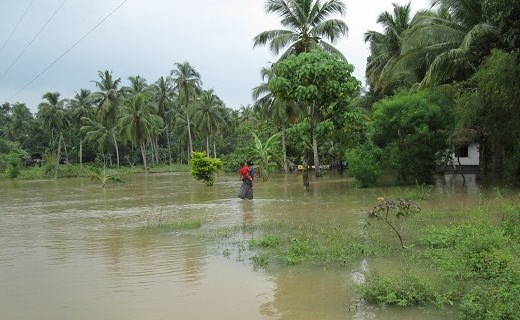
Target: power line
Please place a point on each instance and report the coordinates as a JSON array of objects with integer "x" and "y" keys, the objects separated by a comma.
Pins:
[
  {"x": 68, "y": 50},
  {"x": 16, "y": 27},
  {"x": 32, "y": 40}
]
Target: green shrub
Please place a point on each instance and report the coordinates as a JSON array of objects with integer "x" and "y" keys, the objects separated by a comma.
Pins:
[
  {"x": 364, "y": 164},
  {"x": 204, "y": 168},
  {"x": 11, "y": 163},
  {"x": 405, "y": 290},
  {"x": 494, "y": 300}
]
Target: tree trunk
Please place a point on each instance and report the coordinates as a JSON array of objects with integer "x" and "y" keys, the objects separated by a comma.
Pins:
[
  {"x": 169, "y": 145},
  {"x": 81, "y": 151},
  {"x": 207, "y": 145},
  {"x": 284, "y": 149},
  {"x": 58, "y": 156},
  {"x": 315, "y": 152},
  {"x": 143, "y": 154},
  {"x": 115, "y": 144},
  {"x": 305, "y": 173},
  {"x": 190, "y": 146},
  {"x": 214, "y": 149}
]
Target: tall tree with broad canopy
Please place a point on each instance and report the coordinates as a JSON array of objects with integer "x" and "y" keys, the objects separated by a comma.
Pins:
[
  {"x": 307, "y": 25},
  {"x": 277, "y": 110},
  {"x": 317, "y": 81}
]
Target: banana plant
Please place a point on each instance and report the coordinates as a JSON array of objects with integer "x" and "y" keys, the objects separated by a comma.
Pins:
[
  {"x": 264, "y": 153},
  {"x": 102, "y": 176}
]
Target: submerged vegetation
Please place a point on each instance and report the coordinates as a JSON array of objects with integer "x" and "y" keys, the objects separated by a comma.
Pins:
[
  {"x": 468, "y": 258},
  {"x": 157, "y": 222},
  {"x": 465, "y": 258}
]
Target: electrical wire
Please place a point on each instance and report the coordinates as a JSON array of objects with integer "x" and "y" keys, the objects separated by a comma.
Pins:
[
  {"x": 16, "y": 27},
  {"x": 32, "y": 40},
  {"x": 68, "y": 50}
]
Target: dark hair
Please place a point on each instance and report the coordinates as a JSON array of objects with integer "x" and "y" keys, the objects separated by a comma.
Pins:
[{"x": 250, "y": 162}]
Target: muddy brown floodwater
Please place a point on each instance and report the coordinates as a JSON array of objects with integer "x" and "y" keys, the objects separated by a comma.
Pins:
[{"x": 70, "y": 249}]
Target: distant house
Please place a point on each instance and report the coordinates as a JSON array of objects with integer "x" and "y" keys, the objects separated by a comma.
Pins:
[{"x": 464, "y": 156}]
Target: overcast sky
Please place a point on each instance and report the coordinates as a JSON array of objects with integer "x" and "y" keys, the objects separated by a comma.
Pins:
[{"x": 60, "y": 45}]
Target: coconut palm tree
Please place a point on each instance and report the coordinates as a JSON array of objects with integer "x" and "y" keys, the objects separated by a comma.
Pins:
[
  {"x": 385, "y": 48},
  {"x": 19, "y": 124},
  {"x": 55, "y": 118},
  {"x": 137, "y": 85},
  {"x": 97, "y": 134},
  {"x": 451, "y": 41},
  {"x": 137, "y": 122},
  {"x": 108, "y": 100},
  {"x": 188, "y": 84},
  {"x": 306, "y": 26},
  {"x": 163, "y": 95},
  {"x": 81, "y": 107},
  {"x": 207, "y": 114}
]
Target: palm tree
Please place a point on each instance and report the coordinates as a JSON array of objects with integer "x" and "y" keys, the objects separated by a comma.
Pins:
[
  {"x": 451, "y": 42},
  {"x": 19, "y": 124},
  {"x": 55, "y": 118},
  {"x": 306, "y": 26},
  {"x": 162, "y": 93},
  {"x": 188, "y": 84},
  {"x": 108, "y": 100},
  {"x": 137, "y": 85},
  {"x": 385, "y": 48},
  {"x": 81, "y": 107},
  {"x": 207, "y": 115},
  {"x": 97, "y": 134},
  {"x": 137, "y": 121}
]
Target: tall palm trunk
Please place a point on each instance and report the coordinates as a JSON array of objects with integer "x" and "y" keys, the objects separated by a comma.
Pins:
[
  {"x": 207, "y": 145},
  {"x": 143, "y": 155},
  {"x": 169, "y": 145},
  {"x": 115, "y": 144},
  {"x": 60, "y": 138},
  {"x": 81, "y": 151},
  {"x": 155, "y": 141},
  {"x": 190, "y": 145}
]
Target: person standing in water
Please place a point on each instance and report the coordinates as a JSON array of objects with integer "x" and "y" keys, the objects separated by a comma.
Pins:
[{"x": 247, "y": 175}]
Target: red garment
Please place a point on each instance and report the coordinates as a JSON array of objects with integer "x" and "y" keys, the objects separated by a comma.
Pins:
[{"x": 244, "y": 173}]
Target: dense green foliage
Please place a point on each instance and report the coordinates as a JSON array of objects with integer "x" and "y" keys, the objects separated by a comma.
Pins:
[
  {"x": 364, "y": 164},
  {"x": 488, "y": 102},
  {"x": 412, "y": 128},
  {"x": 204, "y": 168}
]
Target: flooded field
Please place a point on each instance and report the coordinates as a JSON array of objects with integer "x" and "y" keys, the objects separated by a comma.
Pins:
[{"x": 70, "y": 249}]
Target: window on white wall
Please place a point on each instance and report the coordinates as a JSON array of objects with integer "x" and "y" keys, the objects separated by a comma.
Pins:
[{"x": 461, "y": 151}]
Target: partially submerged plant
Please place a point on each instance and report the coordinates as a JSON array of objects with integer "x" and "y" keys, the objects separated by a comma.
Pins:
[
  {"x": 388, "y": 209},
  {"x": 102, "y": 176}
]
